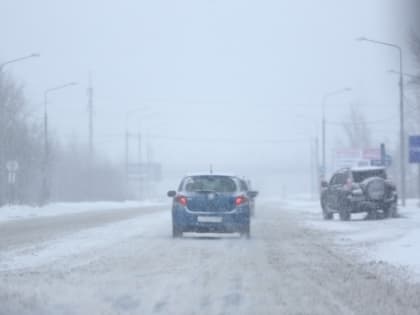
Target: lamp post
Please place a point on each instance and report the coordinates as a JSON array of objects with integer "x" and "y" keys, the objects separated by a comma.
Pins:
[
  {"x": 324, "y": 102},
  {"x": 34, "y": 55},
  {"x": 45, "y": 184},
  {"x": 415, "y": 78},
  {"x": 402, "y": 129}
]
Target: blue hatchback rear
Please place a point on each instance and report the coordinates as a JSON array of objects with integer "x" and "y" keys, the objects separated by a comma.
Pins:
[{"x": 210, "y": 203}]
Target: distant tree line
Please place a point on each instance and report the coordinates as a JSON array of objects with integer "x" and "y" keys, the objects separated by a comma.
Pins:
[
  {"x": 74, "y": 177},
  {"x": 20, "y": 140}
]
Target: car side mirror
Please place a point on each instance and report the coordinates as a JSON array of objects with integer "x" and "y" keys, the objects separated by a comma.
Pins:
[
  {"x": 252, "y": 193},
  {"x": 171, "y": 193},
  {"x": 324, "y": 184}
]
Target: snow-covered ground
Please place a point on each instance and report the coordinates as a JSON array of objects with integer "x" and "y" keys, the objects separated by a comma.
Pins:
[
  {"x": 131, "y": 265},
  {"x": 393, "y": 241},
  {"x": 8, "y": 213},
  {"x": 39, "y": 254}
]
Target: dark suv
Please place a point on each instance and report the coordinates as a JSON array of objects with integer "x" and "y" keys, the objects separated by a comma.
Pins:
[{"x": 354, "y": 190}]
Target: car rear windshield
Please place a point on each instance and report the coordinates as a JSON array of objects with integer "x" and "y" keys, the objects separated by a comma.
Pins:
[
  {"x": 360, "y": 176},
  {"x": 224, "y": 184}
]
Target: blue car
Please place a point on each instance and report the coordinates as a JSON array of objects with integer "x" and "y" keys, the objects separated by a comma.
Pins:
[{"x": 211, "y": 203}]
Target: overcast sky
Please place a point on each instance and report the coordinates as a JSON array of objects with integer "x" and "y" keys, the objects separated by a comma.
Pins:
[{"x": 236, "y": 71}]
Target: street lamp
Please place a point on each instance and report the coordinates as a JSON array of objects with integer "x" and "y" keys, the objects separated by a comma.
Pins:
[
  {"x": 34, "y": 55},
  {"x": 324, "y": 102},
  {"x": 414, "y": 78},
  {"x": 402, "y": 137},
  {"x": 408, "y": 75},
  {"x": 45, "y": 186}
]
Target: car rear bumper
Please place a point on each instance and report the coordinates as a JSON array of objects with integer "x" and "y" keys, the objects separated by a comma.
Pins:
[
  {"x": 367, "y": 205},
  {"x": 233, "y": 221}
]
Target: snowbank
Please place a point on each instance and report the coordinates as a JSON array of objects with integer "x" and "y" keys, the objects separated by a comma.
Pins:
[
  {"x": 394, "y": 241},
  {"x": 86, "y": 241},
  {"x": 9, "y": 213}
]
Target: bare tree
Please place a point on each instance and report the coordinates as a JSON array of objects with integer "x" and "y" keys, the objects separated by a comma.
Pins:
[
  {"x": 357, "y": 130},
  {"x": 74, "y": 179},
  {"x": 20, "y": 140}
]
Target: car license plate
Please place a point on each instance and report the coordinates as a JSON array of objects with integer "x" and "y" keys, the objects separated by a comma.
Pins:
[{"x": 209, "y": 219}]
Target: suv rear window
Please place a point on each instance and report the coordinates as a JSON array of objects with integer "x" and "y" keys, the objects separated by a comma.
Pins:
[
  {"x": 360, "y": 176},
  {"x": 222, "y": 184}
]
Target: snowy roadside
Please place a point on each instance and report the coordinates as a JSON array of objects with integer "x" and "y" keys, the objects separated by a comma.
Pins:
[
  {"x": 86, "y": 241},
  {"x": 9, "y": 213},
  {"x": 393, "y": 241}
]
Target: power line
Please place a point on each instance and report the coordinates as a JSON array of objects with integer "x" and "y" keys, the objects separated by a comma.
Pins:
[{"x": 216, "y": 139}]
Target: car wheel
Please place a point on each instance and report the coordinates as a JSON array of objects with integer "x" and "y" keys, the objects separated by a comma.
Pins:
[
  {"x": 372, "y": 214},
  {"x": 176, "y": 231},
  {"x": 246, "y": 231},
  {"x": 345, "y": 214},
  {"x": 327, "y": 215},
  {"x": 391, "y": 211}
]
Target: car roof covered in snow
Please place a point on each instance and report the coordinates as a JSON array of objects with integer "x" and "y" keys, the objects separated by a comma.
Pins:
[
  {"x": 366, "y": 168},
  {"x": 208, "y": 174}
]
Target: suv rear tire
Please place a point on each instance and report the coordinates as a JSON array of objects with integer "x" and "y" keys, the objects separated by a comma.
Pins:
[
  {"x": 345, "y": 214},
  {"x": 176, "y": 231},
  {"x": 372, "y": 214},
  {"x": 327, "y": 215},
  {"x": 246, "y": 231},
  {"x": 391, "y": 211}
]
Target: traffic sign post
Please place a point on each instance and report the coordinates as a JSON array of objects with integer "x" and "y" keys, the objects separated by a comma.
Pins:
[
  {"x": 414, "y": 154},
  {"x": 414, "y": 149},
  {"x": 12, "y": 167}
]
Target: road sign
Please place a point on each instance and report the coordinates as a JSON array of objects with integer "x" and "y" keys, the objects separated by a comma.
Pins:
[
  {"x": 11, "y": 179},
  {"x": 387, "y": 161},
  {"x": 12, "y": 166},
  {"x": 371, "y": 154},
  {"x": 414, "y": 148}
]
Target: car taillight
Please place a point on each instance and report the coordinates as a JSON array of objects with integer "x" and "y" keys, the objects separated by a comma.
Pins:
[
  {"x": 240, "y": 200},
  {"x": 181, "y": 200},
  {"x": 349, "y": 184}
]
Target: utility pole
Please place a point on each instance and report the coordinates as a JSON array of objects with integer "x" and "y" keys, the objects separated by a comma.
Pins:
[
  {"x": 141, "y": 184},
  {"x": 402, "y": 130},
  {"x": 401, "y": 83},
  {"x": 126, "y": 164},
  {"x": 46, "y": 170},
  {"x": 90, "y": 176},
  {"x": 139, "y": 143},
  {"x": 90, "y": 111},
  {"x": 401, "y": 110},
  {"x": 317, "y": 172}
]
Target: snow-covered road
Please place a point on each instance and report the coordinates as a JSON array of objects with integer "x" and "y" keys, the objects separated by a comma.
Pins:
[{"x": 131, "y": 265}]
